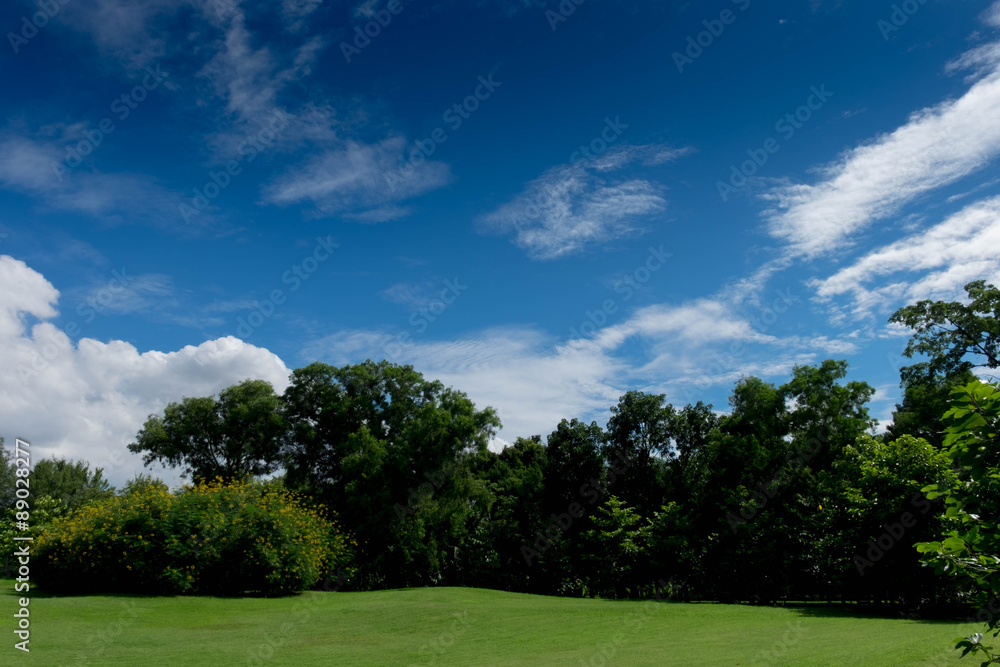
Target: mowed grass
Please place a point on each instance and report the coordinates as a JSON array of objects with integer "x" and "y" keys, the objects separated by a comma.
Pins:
[{"x": 460, "y": 626}]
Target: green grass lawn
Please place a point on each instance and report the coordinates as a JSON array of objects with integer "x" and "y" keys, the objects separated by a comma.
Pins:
[{"x": 459, "y": 626}]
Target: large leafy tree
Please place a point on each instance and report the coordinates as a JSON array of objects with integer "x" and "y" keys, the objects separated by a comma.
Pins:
[
  {"x": 391, "y": 452},
  {"x": 639, "y": 440},
  {"x": 573, "y": 460},
  {"x": 504, "y": 550},
  {"x": 234, "y": 436},
  {"x": 614, "y": 541},
  {"x": 873, "y": 512},
  {"x": 969, "y": 548},
  {"x": 954, "y": 337}
]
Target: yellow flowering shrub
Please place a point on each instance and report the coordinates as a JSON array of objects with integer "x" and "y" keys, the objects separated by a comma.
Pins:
[{"x": 210, "y": 539}]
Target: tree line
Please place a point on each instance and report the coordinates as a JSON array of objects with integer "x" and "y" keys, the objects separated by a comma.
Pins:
[{"x": 789, "y": 495}]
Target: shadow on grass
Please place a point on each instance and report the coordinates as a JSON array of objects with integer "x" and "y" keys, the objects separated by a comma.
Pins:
[
  {"x": 828, "y": 610},
  {"x": 853, "y": 610},
  {"x": 7, "y": 586}
]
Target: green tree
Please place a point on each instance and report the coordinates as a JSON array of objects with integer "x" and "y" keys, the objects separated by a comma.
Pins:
[
  {"x": 70, "y": 482},
  {"x": 969, "y": 548},
  {"x": 640, "y": 430},
  {"x": 873, "y": 513},
  {"x": 391, "y": 452},
  {"x": 955, "y": 337},
  {"x": 924, "y": 403},
  {"x": 573, "y": 458},
  {"x": 236, "y": 436},
  {"x": 614, "y": 543},
  {"x": 506, "y": 551},
  {"x": 8, "y": 473}
]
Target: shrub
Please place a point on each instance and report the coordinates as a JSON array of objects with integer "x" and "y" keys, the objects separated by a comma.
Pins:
[{"x": 209, "y": 539}]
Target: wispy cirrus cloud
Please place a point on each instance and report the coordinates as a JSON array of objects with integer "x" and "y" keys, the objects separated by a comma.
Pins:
[
  {"x": 937, "y": 146},
  {"x": 354, "y": 177},
  {"x": 34, "y": 167},
  {"x": 572, "y": 207},
  {"x": 932, "y": 264}
]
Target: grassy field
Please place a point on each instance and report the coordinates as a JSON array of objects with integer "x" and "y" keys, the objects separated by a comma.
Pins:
[{"x": 458, "y": 626}]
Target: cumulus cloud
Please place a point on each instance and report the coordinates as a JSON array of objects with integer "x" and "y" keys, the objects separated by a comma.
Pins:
[{"x": 87, "y": 399}]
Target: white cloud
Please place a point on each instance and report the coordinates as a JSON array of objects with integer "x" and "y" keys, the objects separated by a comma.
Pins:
[
  {"x": 992, "y": 15},
  {"x": 571, "y": 207},
  {"x": 358, "y": 176},
  {"x": 937, "y": 146},
  {"x": 123, "y": 29},
  {"x": 531, "y": 382},
  {"x": 296, "y": 11},
  {"x": 704, "y": 321},
  {"x": 87, "y": 400},
  {"x": 932, "y": 264},
  {"x": 412, "y": 295},
  {"x": 36, "y": 167},
  {"x": 689, "y": 352}
]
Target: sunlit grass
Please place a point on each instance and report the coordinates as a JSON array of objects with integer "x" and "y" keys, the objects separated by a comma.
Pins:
[{"x": 458, "y": 626}]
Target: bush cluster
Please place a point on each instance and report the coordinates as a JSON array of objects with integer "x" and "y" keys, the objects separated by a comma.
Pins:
[{"x": 210, "y": 539}]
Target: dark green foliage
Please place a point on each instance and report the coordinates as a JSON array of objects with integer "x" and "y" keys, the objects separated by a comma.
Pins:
[
  {"x": 8, "y": 470},
  {"x": 955, "y": 337},
  {"x": 924, "y": 403},
  {"x": 234, "y": 437},
  {"x": 70, "y": 482},
  {"x": 391, "y": 452},
  {"x": 641, "y": 430}
]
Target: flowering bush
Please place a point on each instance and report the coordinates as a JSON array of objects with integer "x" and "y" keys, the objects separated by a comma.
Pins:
[{"x": 210, "y": 539}]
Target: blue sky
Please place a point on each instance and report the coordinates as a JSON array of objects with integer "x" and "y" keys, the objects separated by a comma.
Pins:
[{"x": 543, "y": 204}]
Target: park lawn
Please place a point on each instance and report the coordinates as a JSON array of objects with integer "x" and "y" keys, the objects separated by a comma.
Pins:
[{"x": 459, "y": 626}]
